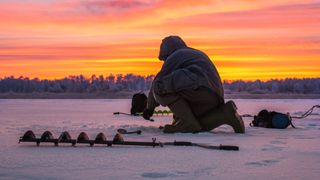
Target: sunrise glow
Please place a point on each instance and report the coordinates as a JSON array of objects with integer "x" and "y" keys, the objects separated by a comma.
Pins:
[{"x": 245, "y": 39}]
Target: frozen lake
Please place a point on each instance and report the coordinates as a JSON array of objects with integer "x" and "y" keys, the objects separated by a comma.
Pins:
[{"x": 264, "y": 153}]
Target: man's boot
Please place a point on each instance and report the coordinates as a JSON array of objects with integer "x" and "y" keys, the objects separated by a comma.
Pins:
[
  {"x": 186, "y": 121},
  {"x": 175, "y": 120},
  {"x": 226, "y": 114}
]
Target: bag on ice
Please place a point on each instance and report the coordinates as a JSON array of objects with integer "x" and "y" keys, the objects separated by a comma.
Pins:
[
  {"x": 271, "y": 119},
  {"x": 138, "y": 103}
]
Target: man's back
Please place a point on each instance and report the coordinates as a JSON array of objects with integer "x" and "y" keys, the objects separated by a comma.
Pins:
[{"x": 196, "y": 63}]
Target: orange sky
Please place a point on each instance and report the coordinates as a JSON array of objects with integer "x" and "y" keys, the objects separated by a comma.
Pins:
[{"x": 246, "y": 39}]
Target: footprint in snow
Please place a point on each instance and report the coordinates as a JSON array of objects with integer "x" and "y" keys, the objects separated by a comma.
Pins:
[
  {"x": 163, "y": 174},
  {"x": 302, "y": 137},
  {"x": 277, "y": 142},
  {"x": 262, "y": 163},
  {"x": 312, "y": 125},
  {"x": 158, "y": 175},
  {"x": 271, "y": 148}
]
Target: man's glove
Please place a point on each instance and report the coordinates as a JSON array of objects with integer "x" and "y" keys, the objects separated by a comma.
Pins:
[{"x": 147, "y": 113}]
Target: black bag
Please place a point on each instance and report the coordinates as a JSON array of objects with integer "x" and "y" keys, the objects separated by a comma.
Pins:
[
  {"x": 138, "y": 103},
  {"x": 272, "y": 119}
]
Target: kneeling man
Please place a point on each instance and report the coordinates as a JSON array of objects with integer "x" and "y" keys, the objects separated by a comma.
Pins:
[{"x": 189, "y": 84}]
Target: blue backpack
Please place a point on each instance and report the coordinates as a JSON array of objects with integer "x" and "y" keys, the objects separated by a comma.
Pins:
[{"x": 272, "y": 119}]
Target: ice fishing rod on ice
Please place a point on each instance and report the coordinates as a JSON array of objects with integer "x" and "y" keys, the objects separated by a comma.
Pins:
[
  {"x": 124, "y": 131},
  {"x": 157, "y": 113},
  {"x": 118, "y": 113},
  {"x": 139, "y": 104},
  {"x": 101, "y": 139}
]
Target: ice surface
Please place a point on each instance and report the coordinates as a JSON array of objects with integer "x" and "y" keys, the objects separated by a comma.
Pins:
[{"x": 264, "y": 153}]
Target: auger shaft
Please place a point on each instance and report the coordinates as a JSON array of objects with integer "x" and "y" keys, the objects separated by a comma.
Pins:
[{"x": 117, "y": 140}]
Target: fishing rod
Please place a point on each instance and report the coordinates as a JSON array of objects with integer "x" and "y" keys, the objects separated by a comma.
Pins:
[
  {"x": 307, "y": 113},
  {"x": 157, "y": 113},
  {"x": 138, "y": 114},
  {"x": 101, "y": 139},
  {"x": 124, "y": 131}
]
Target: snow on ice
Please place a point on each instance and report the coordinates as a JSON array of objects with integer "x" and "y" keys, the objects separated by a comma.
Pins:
[{"x": 264, "y": 153}]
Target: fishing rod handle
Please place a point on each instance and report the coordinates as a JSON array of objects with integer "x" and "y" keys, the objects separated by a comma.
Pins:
[
  {"x": 133, "y": 132},
  {"x": 182, "y": 143},
  {"x": 228, "y": 147}
]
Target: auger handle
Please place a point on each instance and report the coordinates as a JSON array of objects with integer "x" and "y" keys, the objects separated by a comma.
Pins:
[
  {"x": 228, "y": 147},
  {"x": 152, "y": 120},
  {"x": 117, "y": 113},
  {"x": 182, "y": 143}
]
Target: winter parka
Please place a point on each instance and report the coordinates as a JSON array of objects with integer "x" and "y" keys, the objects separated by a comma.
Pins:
[{"x": 183, "y": 68}]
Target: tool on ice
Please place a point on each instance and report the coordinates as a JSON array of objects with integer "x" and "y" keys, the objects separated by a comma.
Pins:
[
  {"x": 139, "y": 104},
  {"x": 83, "y": 138},
  {"x": 157, "y": 113},
  {"x": 124, "y": 131},
  {"x": 117, "y": 113}
]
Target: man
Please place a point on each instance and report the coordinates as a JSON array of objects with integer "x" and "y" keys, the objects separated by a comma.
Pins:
[{"x": 189, "y": 84}]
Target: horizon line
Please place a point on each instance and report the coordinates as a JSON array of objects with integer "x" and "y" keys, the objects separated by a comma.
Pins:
[{"x": 116, "y": 75}]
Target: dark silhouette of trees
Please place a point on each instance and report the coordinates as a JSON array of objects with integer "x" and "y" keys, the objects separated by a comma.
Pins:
[
  {"x": 131, "y": 82},
  {"x": 289, "y": 85},
  {"x": 77, "y": 84}
]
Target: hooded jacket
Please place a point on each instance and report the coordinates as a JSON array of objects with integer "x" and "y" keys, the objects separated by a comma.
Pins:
[{"x": 183, "y": 68}]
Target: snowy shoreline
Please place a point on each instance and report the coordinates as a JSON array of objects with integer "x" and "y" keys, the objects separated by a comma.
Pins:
[{"x": 128, "y": 95}]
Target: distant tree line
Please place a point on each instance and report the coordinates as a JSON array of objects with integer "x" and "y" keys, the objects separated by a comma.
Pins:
[
  {"x": 289, "y": 85},
  {"x": 131, "y": 82},
  {"x": 77, "y": 84}
]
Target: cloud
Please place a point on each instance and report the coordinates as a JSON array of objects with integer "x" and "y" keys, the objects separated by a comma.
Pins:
[
  {"x": 310, "y": 6},
  {"x": 122, "y": 4},
  {"x": 115, "y": 6},
  {"x": 53, "y": 31},
  {"x": 267, "y": 20}
]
